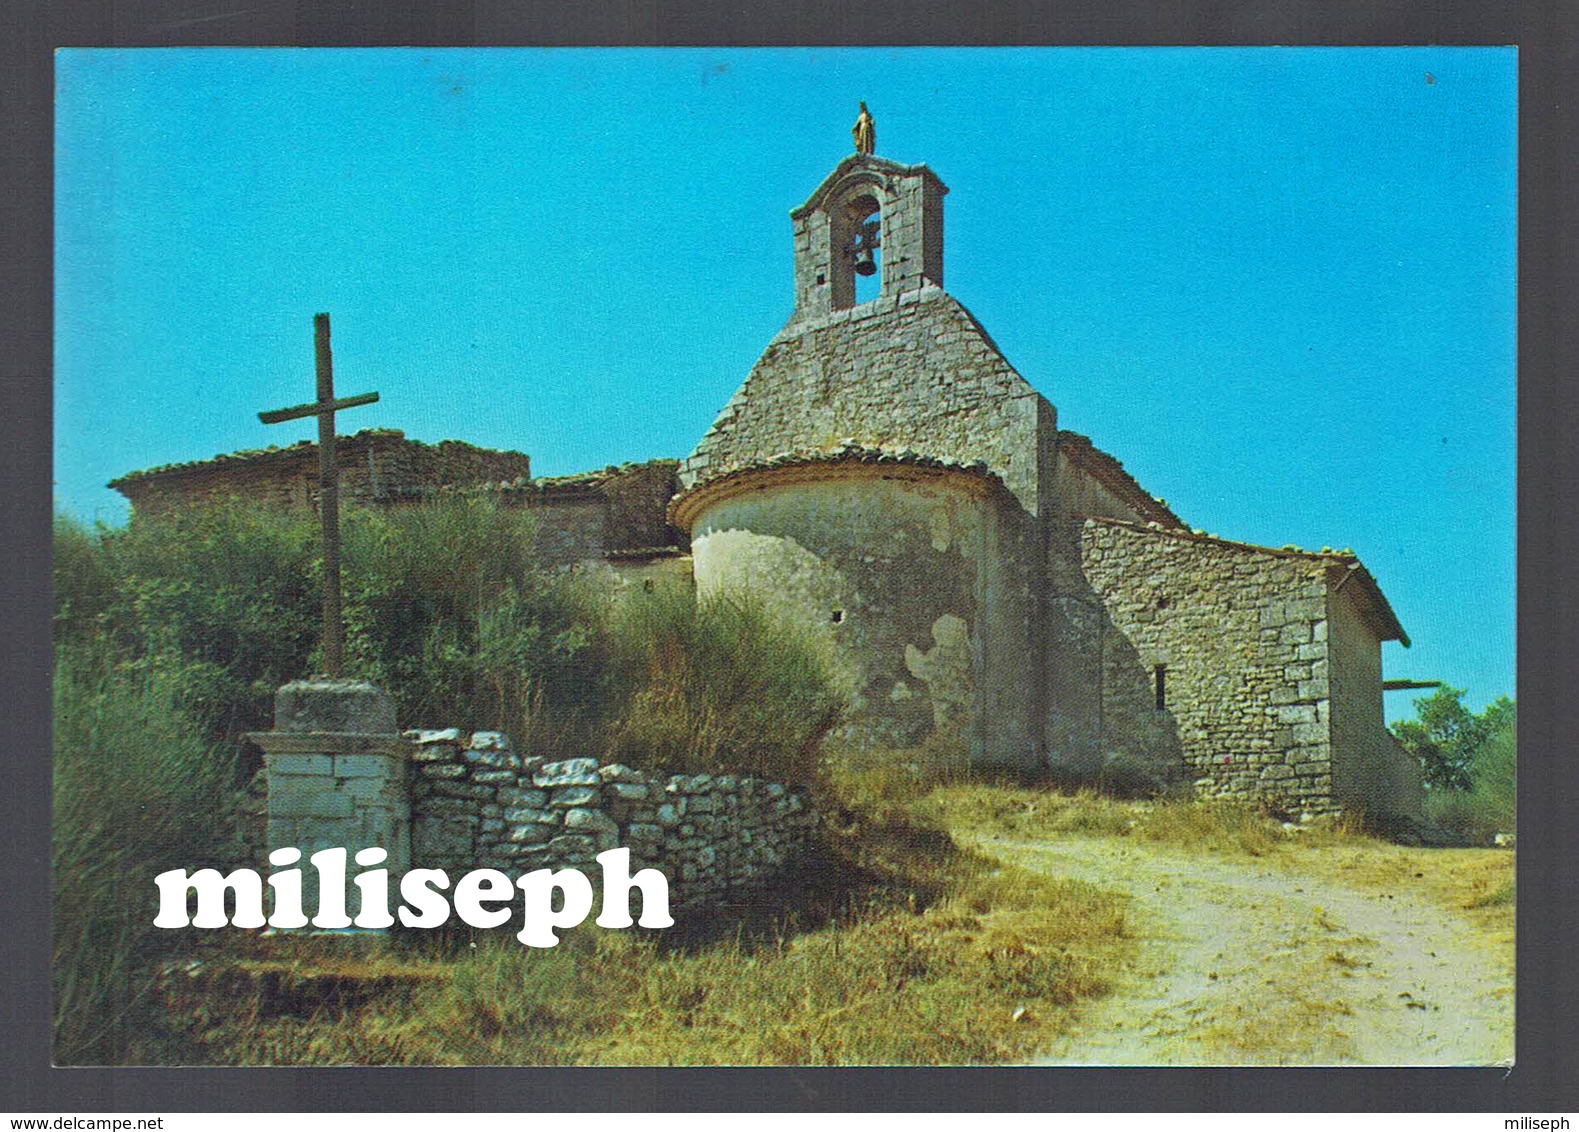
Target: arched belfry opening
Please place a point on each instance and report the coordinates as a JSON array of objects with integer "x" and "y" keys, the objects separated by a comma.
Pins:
[
  {"x": 858, "y": 237},
  {"x": 872, "y": 230}
]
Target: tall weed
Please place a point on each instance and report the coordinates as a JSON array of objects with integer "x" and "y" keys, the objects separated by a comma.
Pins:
[
  {"x": 443, "y": 604},
  {"x": 222, "y": 599},
  {"x": 719, "y": 683},
  {"x": 136, "y": 792},
  {"x": 446, "y": 611}
]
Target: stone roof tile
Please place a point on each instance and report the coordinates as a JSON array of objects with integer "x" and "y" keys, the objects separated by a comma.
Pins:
[
  {"x": 273, "y": 453},
  {"x": 1343, "y": 566},
  {"x": 847, "y": 453}
]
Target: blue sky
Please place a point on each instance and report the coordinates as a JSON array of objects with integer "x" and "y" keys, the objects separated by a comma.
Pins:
[{"x": 1279, "y": 284}]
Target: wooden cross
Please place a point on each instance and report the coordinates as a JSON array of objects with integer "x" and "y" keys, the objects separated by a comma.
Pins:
[{"x": 328, "y": 487}]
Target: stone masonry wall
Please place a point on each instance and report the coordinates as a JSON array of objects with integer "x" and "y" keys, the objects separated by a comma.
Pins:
[
  {"x": 475, "y": 803},
  {"x": 585, "y": 517},
  {"x": 1242, "y": 636},
  {"x": 909, "y": 372},
  {"x": 582, "y": 517},
  {"x": 570, "y": 528},
  {"x": 910, "y": 202},
  {"x": 638, "y": 497},
  {"x": 375, "y": 465}
]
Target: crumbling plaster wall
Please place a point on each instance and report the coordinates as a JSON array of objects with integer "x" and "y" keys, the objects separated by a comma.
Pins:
[
  {"x": 623, "y": 576},
  {"x": 913, "y": 583},
  {"x": 1370, "y": 773}
]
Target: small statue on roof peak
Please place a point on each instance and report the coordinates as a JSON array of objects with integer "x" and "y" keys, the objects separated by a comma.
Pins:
[{"x": 864, "y": 131}]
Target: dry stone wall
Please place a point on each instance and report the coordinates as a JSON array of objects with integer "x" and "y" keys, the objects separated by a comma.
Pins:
[
  {"x": 570, "y": 528},
  {"x": 476, "y": 803}
]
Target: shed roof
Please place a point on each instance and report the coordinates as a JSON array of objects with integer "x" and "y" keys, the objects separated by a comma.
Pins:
[
  {"x": 1343, "y": 568},
  {"x": 256, "y": 457},
  {"x": 1108, "y": 471}
]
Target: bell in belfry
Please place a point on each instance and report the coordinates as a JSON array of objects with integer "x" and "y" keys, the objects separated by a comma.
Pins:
[{"x": 867, "y": 241}]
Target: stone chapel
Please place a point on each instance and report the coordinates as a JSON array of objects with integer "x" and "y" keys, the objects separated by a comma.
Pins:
[{"x": 990, "y": 583}]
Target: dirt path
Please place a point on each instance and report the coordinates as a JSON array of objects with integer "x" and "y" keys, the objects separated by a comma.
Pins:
[{"x": 1243, "y": 964}]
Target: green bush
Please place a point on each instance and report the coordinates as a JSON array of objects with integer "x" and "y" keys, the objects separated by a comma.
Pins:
[
  {"x": 1487, "y": 807},
  {"x": 446, "y": 611},
  {"x": 719, "y": 683},
  {"x": 221, "y": 599},
  {"x": 83, "y": 585},
  {"x": 442, "y": 603},
  {"x": 1468, "y": 759},
  {"x": 136, "y": 792}
]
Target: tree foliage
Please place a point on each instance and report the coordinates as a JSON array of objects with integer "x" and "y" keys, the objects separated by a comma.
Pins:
[{"x": 1449, "y": 739}]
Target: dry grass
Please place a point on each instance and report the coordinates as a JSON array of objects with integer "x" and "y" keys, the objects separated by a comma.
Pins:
[
  {"x": 935, "y": 956},
  {"x": 1289, "y": 1024},
  {"x": 1475, "y": 883},
  {"x": 939, "y": 956},
  {"x": 1225, "y": 828},
  {"x": 985, "y": 974}
]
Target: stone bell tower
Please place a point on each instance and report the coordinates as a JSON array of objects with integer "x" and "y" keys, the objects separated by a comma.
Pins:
[{"x": 872, "y": 216}]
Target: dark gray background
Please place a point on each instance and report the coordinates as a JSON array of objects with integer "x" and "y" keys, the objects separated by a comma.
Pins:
[{"x": 1546, "y": 1077}]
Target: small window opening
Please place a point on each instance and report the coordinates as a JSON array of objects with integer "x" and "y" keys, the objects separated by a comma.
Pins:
[
  {"x": 838, "y": 616},
  {"x": 1160, "y": 675},
  {"x": 1162, "y": 601},
  {"x": 821, "y": 278}
]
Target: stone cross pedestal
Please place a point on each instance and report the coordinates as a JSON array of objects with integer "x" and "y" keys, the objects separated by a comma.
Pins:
[{"x": 336, "y": 770}]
